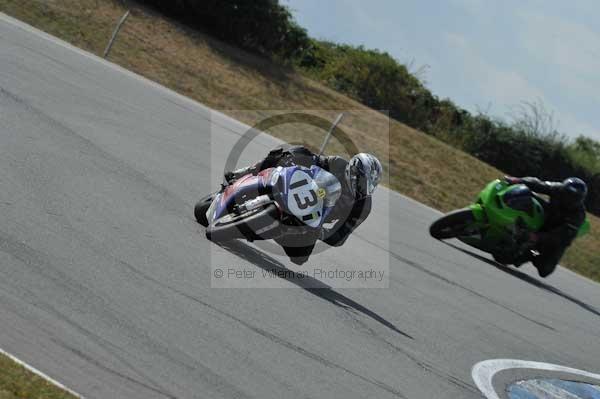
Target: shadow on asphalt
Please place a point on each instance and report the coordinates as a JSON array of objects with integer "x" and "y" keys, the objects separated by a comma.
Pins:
[
  {"x": 308, "y": 283},
  {"x": 527, "y": 278}
]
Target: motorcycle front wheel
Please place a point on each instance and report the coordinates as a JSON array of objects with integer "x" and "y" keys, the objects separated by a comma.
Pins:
[
  {"x": 451, "y": 225},
  {"x": 201, "y": 208}
]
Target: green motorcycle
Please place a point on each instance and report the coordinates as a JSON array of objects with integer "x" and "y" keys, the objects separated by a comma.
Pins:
[{"x": 499, "y": 222}]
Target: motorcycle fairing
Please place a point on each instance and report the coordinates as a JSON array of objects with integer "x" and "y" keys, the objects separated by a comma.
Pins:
[
  {"x": 246, "y": 187},
  {"x": 307, "y": 193}
]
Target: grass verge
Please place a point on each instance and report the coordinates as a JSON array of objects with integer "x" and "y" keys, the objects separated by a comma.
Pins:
[
  {"x": 16, "y": 382},
  {"x": 228, "y": 79}
]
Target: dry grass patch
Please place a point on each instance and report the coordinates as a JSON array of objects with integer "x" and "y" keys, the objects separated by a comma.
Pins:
[{"x": 16, "y": 382}]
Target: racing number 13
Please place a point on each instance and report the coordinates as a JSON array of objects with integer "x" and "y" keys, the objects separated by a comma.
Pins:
[{"x": 306, "y": 201}]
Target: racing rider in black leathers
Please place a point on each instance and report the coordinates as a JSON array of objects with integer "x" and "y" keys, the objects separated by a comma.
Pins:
[
  {"x": 358, "y": 178},
  {"x": 564, "y": 215}
]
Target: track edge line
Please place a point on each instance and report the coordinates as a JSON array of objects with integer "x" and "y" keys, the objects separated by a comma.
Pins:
[{"x": 40, "y": 374}]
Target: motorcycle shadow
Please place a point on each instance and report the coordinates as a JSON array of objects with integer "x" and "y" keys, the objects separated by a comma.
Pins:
[
  {"x": 529, "y": 279},
  {"x": 310, "y": 284}
]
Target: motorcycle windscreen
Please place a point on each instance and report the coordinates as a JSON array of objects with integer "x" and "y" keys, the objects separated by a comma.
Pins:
[
  {"x": 212, "y": 209},
  {"x": 519, "y": 198}
]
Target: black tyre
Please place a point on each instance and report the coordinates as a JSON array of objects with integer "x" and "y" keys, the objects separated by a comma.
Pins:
[
  {"x": 201, "y": 208},
  {"x": 257, "y": 224},
  {"x": 453, "y": 224}
]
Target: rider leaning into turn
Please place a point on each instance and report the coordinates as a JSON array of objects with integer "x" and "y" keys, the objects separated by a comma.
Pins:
[
  {"x": 565, "y": 213},
  {"x": 358, "y": 178}
]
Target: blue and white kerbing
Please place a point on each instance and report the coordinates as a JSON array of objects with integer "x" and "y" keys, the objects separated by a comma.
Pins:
[{"x": 522, "y": 379}]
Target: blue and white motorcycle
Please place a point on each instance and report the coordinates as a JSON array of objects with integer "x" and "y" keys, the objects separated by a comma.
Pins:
[{"x": 271, "y": 204}]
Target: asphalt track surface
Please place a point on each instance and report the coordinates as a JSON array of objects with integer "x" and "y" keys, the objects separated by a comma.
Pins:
[{"x": 105, "y": 275}]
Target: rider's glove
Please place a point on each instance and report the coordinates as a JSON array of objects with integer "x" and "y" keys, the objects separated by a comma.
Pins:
[
  {"x": 229, "y": 177},
  {"x": 512, "y": 180},
  {"x": 236, "y": 174}
]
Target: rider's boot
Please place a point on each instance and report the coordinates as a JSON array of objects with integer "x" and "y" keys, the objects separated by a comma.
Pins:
[{"x": 523, "y": 258}]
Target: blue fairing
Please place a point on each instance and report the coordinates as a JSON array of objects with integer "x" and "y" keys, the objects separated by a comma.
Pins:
[
  {"x": 285, "y": 194},
  {"x": 298, "y": 191}
]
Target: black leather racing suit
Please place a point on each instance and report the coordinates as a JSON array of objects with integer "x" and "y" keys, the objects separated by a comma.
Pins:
[
  {"x": 563, "y": 218},
  {"x": 347, "y": 214}
]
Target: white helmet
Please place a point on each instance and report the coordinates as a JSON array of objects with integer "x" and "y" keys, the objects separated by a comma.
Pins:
[{"x": 363, "y": 173}]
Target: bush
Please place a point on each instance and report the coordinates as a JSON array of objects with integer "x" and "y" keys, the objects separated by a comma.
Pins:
[
  {"x": 261, "y": 26},
  {"x": 586, "y": 152},
  {"x": 372, "y": 77}
]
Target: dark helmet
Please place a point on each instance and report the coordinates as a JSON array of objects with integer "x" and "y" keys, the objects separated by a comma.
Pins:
[{"x": 574, "y": 190}]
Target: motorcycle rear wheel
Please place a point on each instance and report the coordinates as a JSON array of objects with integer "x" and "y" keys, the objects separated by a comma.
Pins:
[{"x": 452, "y": 225}]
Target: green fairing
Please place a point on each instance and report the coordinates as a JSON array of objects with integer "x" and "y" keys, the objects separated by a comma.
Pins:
[
  {"x": 584, "y": 229},
  {"x": 502, "y": 216}
]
